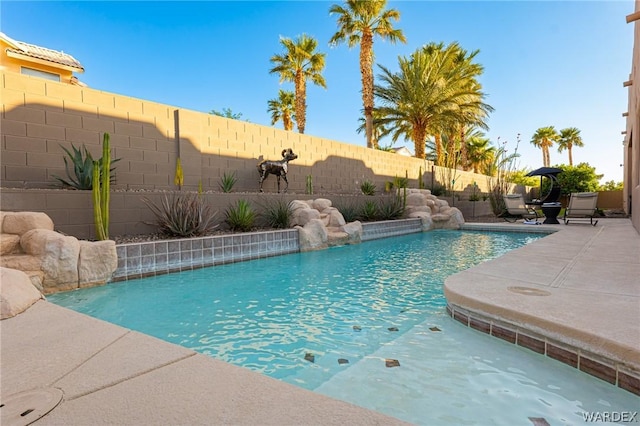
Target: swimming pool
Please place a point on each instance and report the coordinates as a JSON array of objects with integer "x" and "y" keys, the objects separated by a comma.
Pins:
[{"x": 332, "y": 321}]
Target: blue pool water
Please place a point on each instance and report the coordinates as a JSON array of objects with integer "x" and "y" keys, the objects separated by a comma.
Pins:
[{"x": 329, "y": 320}]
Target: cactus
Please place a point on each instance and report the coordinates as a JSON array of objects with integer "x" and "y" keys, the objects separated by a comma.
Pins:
[
  {"x": 101, "y": 190},
  {"x": 179, "y": 179},
  {"x": 420, "y": 179},
  {"x": 309, "y": 184}
]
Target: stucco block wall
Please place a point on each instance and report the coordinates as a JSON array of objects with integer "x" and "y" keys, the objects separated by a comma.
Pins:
[
  {"x": 40, "y": 116},
  {"x": 632, "y": 135}
]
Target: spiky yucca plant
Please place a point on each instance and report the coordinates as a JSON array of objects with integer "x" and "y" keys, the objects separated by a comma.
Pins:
[{"x": 182, "y": 214}]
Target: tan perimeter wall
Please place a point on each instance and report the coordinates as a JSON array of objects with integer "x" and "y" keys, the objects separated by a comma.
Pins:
[
  {"x": 631, "y": 196},
  {"x": 40, "y": 116}
]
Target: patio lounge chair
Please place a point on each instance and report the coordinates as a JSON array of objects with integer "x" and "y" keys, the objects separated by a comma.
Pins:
[
  {"x": 582, "y": 205},
  {"x": 516, "y": 209}
]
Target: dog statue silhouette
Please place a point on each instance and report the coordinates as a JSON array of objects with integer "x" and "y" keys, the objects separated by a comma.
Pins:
[{"x": 277, "y": 168}]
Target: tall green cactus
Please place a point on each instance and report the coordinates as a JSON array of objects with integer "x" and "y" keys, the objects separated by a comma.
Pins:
[
  {"x": 101, "y": 190},
  {"x": 309, "y": 184}
]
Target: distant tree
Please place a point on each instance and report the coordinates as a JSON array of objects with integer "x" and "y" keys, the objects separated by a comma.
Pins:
[
  {"x": 611, "y": 185},
  {"x": 569, "y": 138},
  {"x": 358, "y": 23},
  {"x": 378, "y": 131},
  {"x": 544, "y": 138},
  {"x": 580, "y": 178},
  {"x": 480, "y": 152},
  {"x": 300, "y": 62},
  {"x": 283, "y": 108},
  {"x": 227, "y": 113},
  {"x": 519, "y": 177}
]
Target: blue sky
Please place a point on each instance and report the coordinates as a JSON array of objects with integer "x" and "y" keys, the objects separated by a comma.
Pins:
[{"x": 559, "y": 63}]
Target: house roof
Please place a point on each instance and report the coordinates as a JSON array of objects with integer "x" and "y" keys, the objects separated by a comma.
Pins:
[{"x": 35, "y": 53}]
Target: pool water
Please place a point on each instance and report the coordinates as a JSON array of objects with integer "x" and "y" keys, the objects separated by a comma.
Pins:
[{"x": 332, "y": 320}]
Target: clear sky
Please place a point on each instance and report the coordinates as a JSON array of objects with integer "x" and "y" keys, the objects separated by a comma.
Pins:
[{"x": 547, "y": 63}]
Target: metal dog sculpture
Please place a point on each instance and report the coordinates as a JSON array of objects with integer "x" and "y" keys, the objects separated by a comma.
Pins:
[{"x": 277, "y": 168}]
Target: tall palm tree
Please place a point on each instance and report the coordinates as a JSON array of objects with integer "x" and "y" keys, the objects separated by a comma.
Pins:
[
  {"x": 470, "y": 115},
  {"x": 283, "y": 108},
  {"x": 358, "y": 22},
  {"x": 544, "y": 138},
  {"x": 432, "y": 90},
  {"x": 569, "y": 138},
  {"x": 300, "y": 62}
]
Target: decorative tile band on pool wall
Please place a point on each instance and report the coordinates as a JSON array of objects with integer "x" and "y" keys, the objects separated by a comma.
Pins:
[
  {"x": 137, "y": 260},
  {"x": 605, "y": 369},
  {"x": 390, "y": 228}
]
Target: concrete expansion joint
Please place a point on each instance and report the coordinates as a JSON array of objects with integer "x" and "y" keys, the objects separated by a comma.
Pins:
[
  {"x": 124, "y": 379},
  {"x": 566, "y": 270},
  {"x": 90, "y": 358}
]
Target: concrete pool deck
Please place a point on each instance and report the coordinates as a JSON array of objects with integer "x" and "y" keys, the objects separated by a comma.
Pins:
[{"x": 580, "y": 285}]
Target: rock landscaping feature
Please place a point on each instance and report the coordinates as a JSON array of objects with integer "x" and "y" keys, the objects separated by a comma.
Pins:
[
  {"x": 434, "y": 213},
  {"x": 18, "y": 293},
  {"x": 52, "y": 261},
  {"x": 321, "y": 225}
]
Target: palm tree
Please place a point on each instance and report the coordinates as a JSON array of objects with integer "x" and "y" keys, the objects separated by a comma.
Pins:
[
  {"x": 283, "y": 108},
  {"x": 544, "y": 138},
  {"x": 358, "y": 22},
  {"x": 378, "y": 129},
  {"x": 432, "y": 91},
  {"x": 297, "y": 64},
  {"x": 569, "y": 138},
  {"x": 480, "y": 152}
]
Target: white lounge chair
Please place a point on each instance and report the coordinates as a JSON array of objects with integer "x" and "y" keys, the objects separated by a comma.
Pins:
[
  {"x": 582, "y": 205},
  {"x": 517, "y": 208}
]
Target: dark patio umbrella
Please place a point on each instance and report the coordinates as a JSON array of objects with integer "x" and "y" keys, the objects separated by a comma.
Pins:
[
  {"x": 554, "y": 190},
  {"x": 544, "y": 171}
]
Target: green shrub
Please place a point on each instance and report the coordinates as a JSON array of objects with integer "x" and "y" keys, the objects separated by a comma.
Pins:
[
  {"x": 369, "y": 211},
  {"x": 368, "y": 188},
  {"x": 277, "y": 214},
  {"x": 240, "y": 217},
  {"x": 438, "y": 190},
  {"x": 182, "y": 214},
  {"x": 227, "y": 181},
  {"x": 390, "y": 207},
  {"x": 350, "y": 212},
  {"x": 82, "y": 161}
]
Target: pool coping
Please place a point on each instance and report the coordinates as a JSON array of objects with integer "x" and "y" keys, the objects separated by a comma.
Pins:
[{"x": 554, "y": 296}]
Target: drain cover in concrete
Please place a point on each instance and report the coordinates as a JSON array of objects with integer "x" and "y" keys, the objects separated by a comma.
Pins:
[{"x": 25, "y": 408}]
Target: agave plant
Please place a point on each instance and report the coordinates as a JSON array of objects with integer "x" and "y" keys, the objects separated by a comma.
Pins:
[
  {"x": 82, "y": 161},
  {"x": 277, "y": 214},
  {"x": 369, "y": 211},
  {"x": 182, "y": 214},
  {"x": 240, "y": 217},
  {"x": 390, "y": 207},
  {"x": 227, "y": 181},
  {"x": 368, "y": 188},
  {"x": 350, "y": 211}
]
